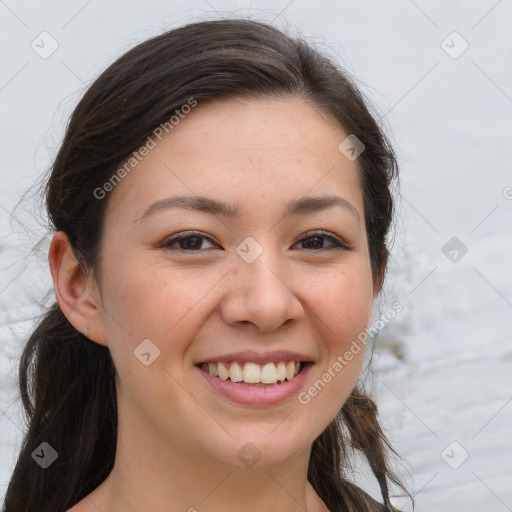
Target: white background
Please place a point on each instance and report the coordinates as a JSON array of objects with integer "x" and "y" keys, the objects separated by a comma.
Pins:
[{"x": 450, "y": 120}]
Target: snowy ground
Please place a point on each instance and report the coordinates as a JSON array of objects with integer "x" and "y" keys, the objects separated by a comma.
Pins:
[{"x": 447, "y": 402}]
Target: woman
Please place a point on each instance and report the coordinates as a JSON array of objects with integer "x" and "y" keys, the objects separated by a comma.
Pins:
[{"x": 221, "y": 203}]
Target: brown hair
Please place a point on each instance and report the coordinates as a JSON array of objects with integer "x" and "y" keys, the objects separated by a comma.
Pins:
[{"x": 68, "y": 382}]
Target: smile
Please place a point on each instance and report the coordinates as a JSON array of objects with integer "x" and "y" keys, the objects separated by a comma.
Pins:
[
  {"x": 255, "y": 384},
  {"x": 253, "y": 373}
]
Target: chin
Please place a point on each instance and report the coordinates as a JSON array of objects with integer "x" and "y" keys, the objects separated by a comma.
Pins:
[{"x": 265, "y": 446}]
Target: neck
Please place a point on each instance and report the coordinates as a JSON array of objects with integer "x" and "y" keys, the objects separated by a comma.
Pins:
[{"x": 147, "y": 476}]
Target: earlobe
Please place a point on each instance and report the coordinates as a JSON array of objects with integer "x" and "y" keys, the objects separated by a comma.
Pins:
[{"x": 75, "y": 290}]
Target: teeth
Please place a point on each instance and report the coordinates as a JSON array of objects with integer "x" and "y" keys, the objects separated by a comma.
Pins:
[
  {"x": 253, "y": 373},
  {"x": 290, "y": 370},
  {"x": 235, "y": 372},
  {"x": 281, "y": 371},
  {"x": 223, "y": 371},
  {"x": 212, "y": 368},
  {"x": 268, "y": 374}
]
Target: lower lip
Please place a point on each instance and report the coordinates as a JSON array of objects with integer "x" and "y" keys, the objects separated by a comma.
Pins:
[{"x": 245, "y": 394}]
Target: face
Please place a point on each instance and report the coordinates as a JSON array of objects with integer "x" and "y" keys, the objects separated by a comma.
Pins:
[{"x": 263, "y": 283}]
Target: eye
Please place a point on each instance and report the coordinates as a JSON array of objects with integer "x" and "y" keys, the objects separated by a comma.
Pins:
[
  {"x": 317, "y": 238},
  {"x": 192, "y": 242},
  {"x": 188, "y": 242}
]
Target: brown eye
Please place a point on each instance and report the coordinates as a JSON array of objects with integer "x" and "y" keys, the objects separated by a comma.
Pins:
[
  {"x": 188, "y": 242},
  {"x": 193, "y": 242},
  {"x": 315, "y": 242}
]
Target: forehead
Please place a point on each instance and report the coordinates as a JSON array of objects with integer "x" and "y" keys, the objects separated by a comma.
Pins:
[{"x": 243, "y": 150}]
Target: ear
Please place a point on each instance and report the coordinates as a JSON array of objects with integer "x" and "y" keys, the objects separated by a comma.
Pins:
[{"x": 76, "y": 291}]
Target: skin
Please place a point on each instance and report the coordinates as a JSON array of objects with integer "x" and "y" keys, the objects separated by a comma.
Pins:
[{"x": 178, "y": 440}]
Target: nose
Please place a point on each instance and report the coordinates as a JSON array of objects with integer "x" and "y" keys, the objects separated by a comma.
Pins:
[{"x": 261, "y": 294}]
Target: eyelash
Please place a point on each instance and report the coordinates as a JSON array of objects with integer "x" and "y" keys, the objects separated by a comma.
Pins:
[{"x": 338, "y": 244}]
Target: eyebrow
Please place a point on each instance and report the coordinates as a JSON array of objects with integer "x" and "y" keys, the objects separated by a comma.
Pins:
[{"x": 302, "y": 206}]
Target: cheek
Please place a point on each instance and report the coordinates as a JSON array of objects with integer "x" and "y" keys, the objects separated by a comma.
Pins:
[
  {"x": 346, "y": 317},
  {"x": 342, "y": 306},
  {"x": 148, "y": 298},
  {"x": 342, "y": 302},
  {"x": 149, "y": 301},
  {"x": 142, "y": 306}
]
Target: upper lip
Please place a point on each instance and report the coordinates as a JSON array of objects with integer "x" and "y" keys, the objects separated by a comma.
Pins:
[{"x": 258, "y": 357}]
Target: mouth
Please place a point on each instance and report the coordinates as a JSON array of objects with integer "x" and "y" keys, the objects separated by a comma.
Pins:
[{"x": 255, "y": 374}]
